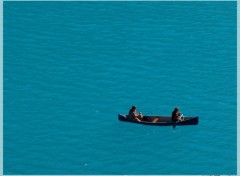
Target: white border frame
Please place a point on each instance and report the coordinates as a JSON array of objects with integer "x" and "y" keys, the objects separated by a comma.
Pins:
[{"x": 1, "y": 71}]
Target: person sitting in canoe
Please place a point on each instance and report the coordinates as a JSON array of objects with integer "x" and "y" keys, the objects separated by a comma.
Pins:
[
  {"x": 133, "y": 114},
  {"x": 176, "y": 115}
]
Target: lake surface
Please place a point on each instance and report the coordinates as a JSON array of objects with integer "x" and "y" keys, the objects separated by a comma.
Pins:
[{"x": 71, "y": 67}]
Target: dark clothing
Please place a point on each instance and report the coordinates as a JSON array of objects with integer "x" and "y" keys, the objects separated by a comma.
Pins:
[
  {"x": 131, "y": 114},
  {"x": 174, "y": 116}
]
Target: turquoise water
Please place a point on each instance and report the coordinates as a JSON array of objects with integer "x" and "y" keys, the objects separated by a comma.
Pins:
[{"x": 71, "y": 67}]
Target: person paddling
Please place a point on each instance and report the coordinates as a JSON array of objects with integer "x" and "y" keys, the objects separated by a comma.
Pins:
[
  {"x": 176, "y": 115},
  {"x": 133, "y": 114}
]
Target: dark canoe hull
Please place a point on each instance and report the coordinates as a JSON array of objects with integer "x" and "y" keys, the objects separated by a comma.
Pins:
[{"x": 162, "y": 120}]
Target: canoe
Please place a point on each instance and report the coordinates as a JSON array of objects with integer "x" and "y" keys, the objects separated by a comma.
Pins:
[{"x": 161, "y": 120}]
